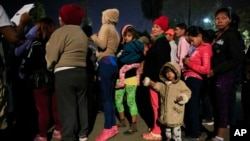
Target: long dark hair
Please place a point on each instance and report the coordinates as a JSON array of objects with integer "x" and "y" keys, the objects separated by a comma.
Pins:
[
  {"x": 46, "y": 26},
  {"x": 207, "y": 35}
]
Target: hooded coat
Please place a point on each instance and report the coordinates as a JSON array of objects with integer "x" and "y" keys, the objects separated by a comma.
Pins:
[
  {"x": 107, "y": 38},
  {"x": 172, "y": 112}
]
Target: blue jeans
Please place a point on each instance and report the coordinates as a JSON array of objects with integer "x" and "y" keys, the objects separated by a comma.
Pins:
[
  {"x": 192, "y": 109},
  {"x": 107, "y": 73}
]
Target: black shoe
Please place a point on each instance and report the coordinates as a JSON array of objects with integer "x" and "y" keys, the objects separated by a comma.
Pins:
[{"x": 130, "y": 131}]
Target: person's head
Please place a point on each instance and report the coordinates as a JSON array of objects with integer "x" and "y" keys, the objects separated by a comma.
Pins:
[
  {"x": 160, "y": 25},
  {"x": 145, "y": 42},
  {"x": 110, "y": 16},
  {"x": 169, "y": 74},
  {"x": 197, "y": 36},
  {"x": 45, "y": 27},
  {"x": 180, "y": 29},
  {"x": 170, "y": 34},
  {"x": 225, "y": 18},
  {"x": 70, "y": 14},
  {"x": 128, "y": 33}
]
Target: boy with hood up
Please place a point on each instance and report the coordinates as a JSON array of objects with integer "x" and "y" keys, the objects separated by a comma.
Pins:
[{"x": 174, "y": 94}]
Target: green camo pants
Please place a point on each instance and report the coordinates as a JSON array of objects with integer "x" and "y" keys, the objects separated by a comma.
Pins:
[{"x": 130, "y": 91}]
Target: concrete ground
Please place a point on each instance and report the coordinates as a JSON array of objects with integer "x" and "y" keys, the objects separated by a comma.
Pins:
[{"x": 142, "y": 127}]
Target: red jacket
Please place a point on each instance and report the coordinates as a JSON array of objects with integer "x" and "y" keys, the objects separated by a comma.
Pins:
[{"x": 199, "y": 62}]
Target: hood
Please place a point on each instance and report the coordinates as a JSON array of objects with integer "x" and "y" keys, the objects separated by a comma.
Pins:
[
  {"x": 110, "y": 16},
  {"x": 174, "y": 66}
]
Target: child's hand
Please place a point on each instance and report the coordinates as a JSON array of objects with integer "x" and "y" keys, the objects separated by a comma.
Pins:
[
  {"x": 146, "y": 81},
  {"x": 179, "y": 98}
]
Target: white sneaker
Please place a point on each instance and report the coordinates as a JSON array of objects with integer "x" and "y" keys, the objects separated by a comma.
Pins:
[{"x": 83, "y": 139}]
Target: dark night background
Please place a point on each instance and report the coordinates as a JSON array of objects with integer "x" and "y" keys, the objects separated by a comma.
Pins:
[{"x": 130, "y": 10}]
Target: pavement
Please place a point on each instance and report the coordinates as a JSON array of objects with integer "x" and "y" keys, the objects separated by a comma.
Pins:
[{"x": 142, "y": 127}]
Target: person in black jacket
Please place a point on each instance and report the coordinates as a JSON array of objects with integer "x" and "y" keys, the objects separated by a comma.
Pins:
[
  {"x": 156, "y": 57},
  {"x": 226, "y": 56}
]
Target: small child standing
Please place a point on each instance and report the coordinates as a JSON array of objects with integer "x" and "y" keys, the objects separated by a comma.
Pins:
[{"x": 174, "y": 94}]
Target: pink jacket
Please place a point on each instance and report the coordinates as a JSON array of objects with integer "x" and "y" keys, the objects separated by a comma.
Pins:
[
  {"x": 182, "y": 50},
  {"x": 199, "y": 61}
]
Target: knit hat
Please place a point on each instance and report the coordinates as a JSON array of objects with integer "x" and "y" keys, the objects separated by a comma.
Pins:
[
  {"x": 124, "y": 28},
  {"x": 162, "y": 21},
  {"x": 170, "y": 31},
  {"x": 144, "y": 39},
  {"x": 110, "y": 15},
  {"x": 71, "y": 14}
]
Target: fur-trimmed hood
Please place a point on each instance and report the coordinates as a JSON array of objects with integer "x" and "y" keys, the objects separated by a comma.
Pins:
[{"x": 173, "y": 66}]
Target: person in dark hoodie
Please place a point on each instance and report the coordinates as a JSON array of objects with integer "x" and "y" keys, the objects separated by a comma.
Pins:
[{"x": 226, "y": 56}]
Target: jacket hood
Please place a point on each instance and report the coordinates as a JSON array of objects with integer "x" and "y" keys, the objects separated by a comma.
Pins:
[
  {"x": 110, "y": 16},
  {"x": 175, "y": 67}
]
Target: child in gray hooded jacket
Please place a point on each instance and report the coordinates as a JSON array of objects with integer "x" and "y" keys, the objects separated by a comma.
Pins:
[{"x": 174, "y": 94}]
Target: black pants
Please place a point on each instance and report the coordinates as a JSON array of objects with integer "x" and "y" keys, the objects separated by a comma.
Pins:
[
  {"x": 71, "y": 90},
  {"x": 245, "y": 99}
]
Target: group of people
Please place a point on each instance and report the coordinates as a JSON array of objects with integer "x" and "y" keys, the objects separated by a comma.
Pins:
[{"x": 53, "y": 67}]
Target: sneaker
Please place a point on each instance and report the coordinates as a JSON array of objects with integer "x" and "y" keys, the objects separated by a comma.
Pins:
[
  {"x": 106, "y": 134},
  {"x": 208, "y": 121},
  {"x": 115, "y": 129},
  {"x": 83, "y": 139},
  {"x": 39, "y": 138},
  {"x": 151, "y": 136},
  {"x": 57, "y": 135}
]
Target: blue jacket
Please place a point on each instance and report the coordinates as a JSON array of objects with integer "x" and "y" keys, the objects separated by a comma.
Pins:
[{"x": 132, "y": 52}]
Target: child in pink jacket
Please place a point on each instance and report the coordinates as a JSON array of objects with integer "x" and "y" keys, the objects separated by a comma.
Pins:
[{"x": 195, "y": 66}]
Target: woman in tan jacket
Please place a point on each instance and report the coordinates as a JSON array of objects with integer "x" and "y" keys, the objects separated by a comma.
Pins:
[{"x": 107, "y": 40}]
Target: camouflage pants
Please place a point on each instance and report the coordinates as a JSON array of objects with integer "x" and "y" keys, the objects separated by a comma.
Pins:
[{"x": 3, "y": 106}]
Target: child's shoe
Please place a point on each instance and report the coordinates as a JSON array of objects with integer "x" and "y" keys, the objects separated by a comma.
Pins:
[
  {"x": 132, "y": 129},
  {"x": 57, "y": 135},
  {"x": 106, "y": 134},
  {"x": 122, "y": 123},
  {"x": 39, "y": 138}
]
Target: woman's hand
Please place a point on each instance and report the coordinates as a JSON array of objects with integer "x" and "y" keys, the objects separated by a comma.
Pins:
[
  {"x": 210, "y": 74},
  {"x": 185, "y": 61}
]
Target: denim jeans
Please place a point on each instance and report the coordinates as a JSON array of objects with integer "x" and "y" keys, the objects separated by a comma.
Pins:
[
  {"x": 107, "y": 74},
  {"x": 192, "y": 112}
]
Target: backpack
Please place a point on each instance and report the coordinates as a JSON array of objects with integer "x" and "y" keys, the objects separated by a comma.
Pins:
[
  {"x": 30, "y": 59},
  {"x": 33, "y": 66}
]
